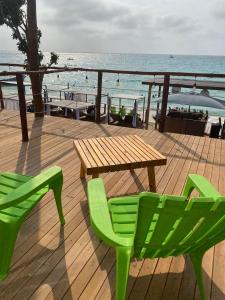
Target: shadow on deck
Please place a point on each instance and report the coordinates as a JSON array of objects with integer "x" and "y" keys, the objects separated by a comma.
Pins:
[{"x": 51, "y": 262}]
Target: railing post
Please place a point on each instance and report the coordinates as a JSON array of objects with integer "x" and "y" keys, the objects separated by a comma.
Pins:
[
  {"x": 164, "y": 103},
  {"x": 1, "y": 98},
  {"x": 23, "y": 107},
  {"x": 98, "y": 98},
  {"x": 148, "y": 106},
  {"x": 159, "y": 91}
]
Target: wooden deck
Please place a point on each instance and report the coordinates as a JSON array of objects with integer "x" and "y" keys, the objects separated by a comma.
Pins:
[{"x": 53, "y": 263}]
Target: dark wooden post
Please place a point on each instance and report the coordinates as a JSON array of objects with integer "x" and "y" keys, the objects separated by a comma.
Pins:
[
  {"x": 1, "y": 98},
  {"x": 157, "y": 115},
  {"x": 33, "y": 56},
  {"x": 159, "y": 91},
  {"x": 98, "y": 98},
  {"x": 164, "y": 103},
  {"x": 23, "y": 107},
  {"x": 148, "y": 106}
]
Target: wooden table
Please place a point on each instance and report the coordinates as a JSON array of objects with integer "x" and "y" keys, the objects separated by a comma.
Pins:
[
  {"x": 110, "y": 154},
  {"x": 69, "y": 104}
]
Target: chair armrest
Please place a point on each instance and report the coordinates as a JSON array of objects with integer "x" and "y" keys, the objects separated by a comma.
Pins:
[
  {"x": 100, "y": 216},
  {"x": 46, "y": 178},
  {"x": 202, "y": 185}
]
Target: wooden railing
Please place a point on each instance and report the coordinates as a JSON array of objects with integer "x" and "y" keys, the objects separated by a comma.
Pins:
[
  {"x": 100, "y": 72},
  {"x": 1, "y": 98}
]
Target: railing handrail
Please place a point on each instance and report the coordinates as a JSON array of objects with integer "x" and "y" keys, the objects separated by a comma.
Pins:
[
  {"x": 167, "y": 76},
  {"x": 112, "y": 71}
]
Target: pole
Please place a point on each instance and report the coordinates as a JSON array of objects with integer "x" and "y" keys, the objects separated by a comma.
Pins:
[
  {"x": 33, "y": 56},
  {"x": 148, "y": 106},
  {"x": 164, "y": 103},
  {"x": 23, "y": 108},
  {"x": 98, "y": 99},
  {"x": 157, "y": 116},
  {"x": 1, "y": 98},
  {"x": 159, "y": 91}
]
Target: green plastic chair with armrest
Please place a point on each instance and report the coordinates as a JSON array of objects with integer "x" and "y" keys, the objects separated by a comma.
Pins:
[
  {"x": 150, "y": 225},
  {"x": 18, "y": 195}
]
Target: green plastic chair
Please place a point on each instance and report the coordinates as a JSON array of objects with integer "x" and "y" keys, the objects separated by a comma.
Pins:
[
  {"x": 122, "y": 111},
  {"x": 150, "y": 225},
  {"x": 113, "y": 109},
  {"x": 18, "y": 195}
]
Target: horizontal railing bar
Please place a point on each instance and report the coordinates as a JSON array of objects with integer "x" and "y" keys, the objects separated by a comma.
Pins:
[{"x": 144, "y": 73}]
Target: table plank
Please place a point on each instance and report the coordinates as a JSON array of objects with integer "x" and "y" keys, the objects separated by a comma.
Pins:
[
  {"x": 81, "y": 155},
  {"x": 137, "y": 149},
  {"x": 122, "y": 149},
  {"x": 91, "y": 158},
  {"x": 110, "y": 154},
  {"x": 110, "y": 159},
  {"x": 136, "y": 157},
  {"x": 148, "y": 147},
  {"x": 117, "y": 150},
  {"x": 91, "y": 150},
  {"x": 87, "y": 158}
]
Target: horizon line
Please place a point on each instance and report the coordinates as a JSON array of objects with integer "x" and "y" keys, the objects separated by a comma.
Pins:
[{"x": 119, "y": 53}]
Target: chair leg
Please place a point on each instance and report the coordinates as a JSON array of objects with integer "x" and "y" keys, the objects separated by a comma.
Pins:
[
  {"x": 8, "y": 236},
  {"x": 57, "y": 190},
  {"x": 122, "y": 270},
  {"x": 196, "y": 259},
  {"x": 188, "y": 188}
]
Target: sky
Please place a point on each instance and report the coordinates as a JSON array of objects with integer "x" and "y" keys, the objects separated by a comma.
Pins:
[{"x": 129, "y": 26}]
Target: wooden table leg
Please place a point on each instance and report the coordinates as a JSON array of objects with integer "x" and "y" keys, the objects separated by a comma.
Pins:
[
  {"x": 82, "y": 172},
  {"x": 151, "y": 179},
  {"x": 95, "y": 176}
]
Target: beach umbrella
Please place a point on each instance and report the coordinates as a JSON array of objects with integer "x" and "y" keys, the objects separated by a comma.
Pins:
[{"x": 195, "y": 100}]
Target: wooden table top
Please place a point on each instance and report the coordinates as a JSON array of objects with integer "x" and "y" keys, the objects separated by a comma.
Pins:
[
  {"x": 70, "y": 104},
  {"x": 108, "y": 154}
]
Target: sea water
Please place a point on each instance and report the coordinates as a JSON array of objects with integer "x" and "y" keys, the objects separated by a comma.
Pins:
[{"x": 129, "y": 84}]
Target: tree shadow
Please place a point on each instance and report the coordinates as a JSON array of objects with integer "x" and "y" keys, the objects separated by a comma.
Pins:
[
  {"x": 104, "y": 129},
  {"x": 183, "y": 145}
]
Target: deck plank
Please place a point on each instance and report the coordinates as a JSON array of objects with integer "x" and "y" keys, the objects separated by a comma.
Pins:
[{"x": 51, "y": 263}]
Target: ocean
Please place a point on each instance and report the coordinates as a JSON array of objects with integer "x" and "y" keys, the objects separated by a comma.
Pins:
[{"x": 129, "y": 84}]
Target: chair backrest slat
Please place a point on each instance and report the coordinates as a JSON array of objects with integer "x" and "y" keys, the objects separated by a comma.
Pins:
[
  {"x": 189, "y": 223},
  {"x": 170, "y": 212},
  {"x": 145, "y": 219},
  {"x": 211, "y": 222},
  {"x": 169, "y": 225}
]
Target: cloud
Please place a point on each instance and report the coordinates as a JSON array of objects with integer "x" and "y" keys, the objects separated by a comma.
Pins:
[
  {"x": 109, "y": 18},
  {"x": 69, "y": 12},
  {"x": 219, "y": 10},
  {"x": 177, "y": 23},
  {"x": 98, "y": 14},
  {"x": 98, "y": 25},
  {"x": 163, "y": 26}
]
